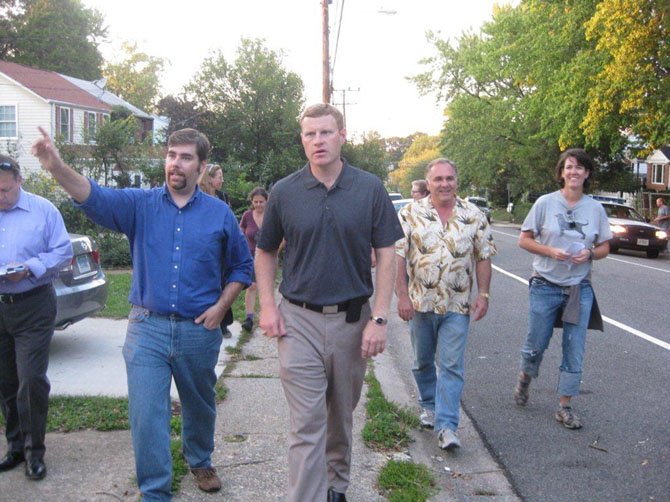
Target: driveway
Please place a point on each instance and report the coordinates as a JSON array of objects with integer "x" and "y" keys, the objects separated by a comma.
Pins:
[{"x": 86, "y": 358}]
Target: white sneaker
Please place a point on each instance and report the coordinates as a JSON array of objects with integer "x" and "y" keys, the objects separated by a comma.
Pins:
[
  {"x": 427, "y": 418},
  {"x": 447, "y": 439}
]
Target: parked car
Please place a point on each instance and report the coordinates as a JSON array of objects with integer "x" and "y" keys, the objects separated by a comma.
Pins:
[
  {"x": 482, "y": 204},
  {"x": 398, "y": 204},
  {"x": 81, "y": 286},
  {"x": 631, "y": 231},
  {"x": 395, "y": 195}
]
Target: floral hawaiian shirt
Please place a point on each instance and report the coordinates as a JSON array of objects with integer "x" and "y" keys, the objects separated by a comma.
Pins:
[{"x": 441, "y": 258}]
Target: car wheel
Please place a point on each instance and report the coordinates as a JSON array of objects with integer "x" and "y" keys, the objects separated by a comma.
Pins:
[
  {"x": 652, "y": 253},
  {"x": 614, "y": 249}
]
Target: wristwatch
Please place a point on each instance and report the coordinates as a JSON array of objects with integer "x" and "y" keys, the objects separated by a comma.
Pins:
[
  {"x": 378, "y": 320},
  {"x": 485, "y": 295}
]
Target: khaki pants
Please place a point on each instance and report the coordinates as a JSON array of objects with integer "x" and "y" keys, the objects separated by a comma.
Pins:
[{"x": 321, "y": 371}]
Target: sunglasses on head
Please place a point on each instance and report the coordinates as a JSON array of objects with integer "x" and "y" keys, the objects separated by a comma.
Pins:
[{"x": 8, "y": 166}]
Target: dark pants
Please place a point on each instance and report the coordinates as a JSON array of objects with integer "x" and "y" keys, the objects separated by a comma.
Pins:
[{"x": 26, "y": 328}]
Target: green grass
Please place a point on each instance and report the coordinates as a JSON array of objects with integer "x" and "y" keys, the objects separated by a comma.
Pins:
[
  {"x": 118, "y": 286},
  {"x": 387, "y": 425},
  {"x": 179, "y": 464},
  {"x": 406, "y": 482},
  {"x": 74, "y": 413},
  {"x": 117, "y": 307}
]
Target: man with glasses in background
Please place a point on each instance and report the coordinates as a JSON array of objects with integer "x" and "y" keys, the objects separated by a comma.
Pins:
[{"x": 34, "y": 245}]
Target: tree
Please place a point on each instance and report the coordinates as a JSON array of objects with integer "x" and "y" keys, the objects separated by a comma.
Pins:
[
  {"x": 181, "y": 113},
  {"x": 249, "y": 110},
  {"x": 136, "y": 78},
  {"x": 413, "y": 164},
  {"x": 58, "y": 35},
  {"x": 633, "y": 86},
  {"x": 368, "y": 154},
  {"x": 518, "y": 92}
]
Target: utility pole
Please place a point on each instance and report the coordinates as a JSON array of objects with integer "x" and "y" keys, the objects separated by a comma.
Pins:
[
  {"x": 325, "y": 52},
  {"x": 345, "y": 102}
]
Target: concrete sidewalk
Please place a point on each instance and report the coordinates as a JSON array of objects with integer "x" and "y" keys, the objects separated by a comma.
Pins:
[{"x": 251, "y": 451}]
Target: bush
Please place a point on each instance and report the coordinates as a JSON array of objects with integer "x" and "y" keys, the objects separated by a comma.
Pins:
[{"x": 114, "y": 250}]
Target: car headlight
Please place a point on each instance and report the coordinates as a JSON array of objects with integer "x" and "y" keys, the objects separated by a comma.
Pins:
[
  {"x": 618, "y": 229},
  {"x": 661, "y": 234}
]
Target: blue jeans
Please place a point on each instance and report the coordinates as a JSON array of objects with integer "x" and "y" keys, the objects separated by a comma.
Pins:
[
  {"x": 158, "y": 348},
  {"x": 546, "y": 300},
  {"x": 439, "y": 340}
]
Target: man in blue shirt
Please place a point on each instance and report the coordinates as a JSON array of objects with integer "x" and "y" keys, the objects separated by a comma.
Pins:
[
  {"x": 34, "y": 245},
  {"x": 180, "y": 239}
]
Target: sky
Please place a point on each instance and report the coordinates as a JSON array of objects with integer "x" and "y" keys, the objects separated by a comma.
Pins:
[{"x": 380, "y": 45}]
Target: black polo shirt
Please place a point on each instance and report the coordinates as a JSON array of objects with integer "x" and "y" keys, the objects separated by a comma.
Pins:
[{"x": 329, "y": 233}]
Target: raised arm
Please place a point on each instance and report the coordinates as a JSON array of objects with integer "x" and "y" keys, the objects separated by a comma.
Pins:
[{"x": 75, "y": 184}]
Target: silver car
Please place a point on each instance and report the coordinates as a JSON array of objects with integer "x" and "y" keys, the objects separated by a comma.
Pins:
[{"x": 81, "y": 286}]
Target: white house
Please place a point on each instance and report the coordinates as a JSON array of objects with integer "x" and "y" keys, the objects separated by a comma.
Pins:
[{"x": 30, "y": 98}]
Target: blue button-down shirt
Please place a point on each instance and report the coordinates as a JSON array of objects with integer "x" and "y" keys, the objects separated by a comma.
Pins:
[
  {"x": 178, "y": 253},
  {"x": 33, "y": 233}
]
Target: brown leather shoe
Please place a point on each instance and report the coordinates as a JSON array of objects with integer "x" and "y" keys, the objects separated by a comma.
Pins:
[{"x": 207, "y": 479}]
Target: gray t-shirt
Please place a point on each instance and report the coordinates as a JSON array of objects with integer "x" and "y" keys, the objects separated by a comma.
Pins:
[
  {"x": 329, "y": 233},
  {"x": 555, "y": 224},
  {"x": 664, "y": 211}
]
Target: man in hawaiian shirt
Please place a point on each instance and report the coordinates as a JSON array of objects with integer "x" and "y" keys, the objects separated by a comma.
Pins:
[{"x": 447, "y": 241}]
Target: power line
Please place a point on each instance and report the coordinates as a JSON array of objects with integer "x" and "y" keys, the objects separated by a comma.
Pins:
[{"x": 337, "y": 40}]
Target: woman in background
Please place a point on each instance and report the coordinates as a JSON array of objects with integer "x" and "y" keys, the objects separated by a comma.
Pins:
[
  {"x": 210, "y": 182},
  {"x": 250, "y": 224}
]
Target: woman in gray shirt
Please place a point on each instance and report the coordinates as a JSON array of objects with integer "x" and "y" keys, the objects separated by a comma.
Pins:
[{"x": 565, "y": 230}]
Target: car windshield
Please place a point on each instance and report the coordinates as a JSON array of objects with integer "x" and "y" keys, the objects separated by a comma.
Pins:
[
  {"x": 623, "y": 212},
  {"x": 479, "y": 202}
]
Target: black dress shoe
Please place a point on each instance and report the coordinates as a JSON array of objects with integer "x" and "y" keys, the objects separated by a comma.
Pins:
[
  {"x": 35, "y": 469},
  {"x": 334, "y": 496},
  {"x": 11, "y": 460}
]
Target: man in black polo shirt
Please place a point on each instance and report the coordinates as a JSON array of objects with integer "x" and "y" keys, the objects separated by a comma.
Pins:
[{"x": 330, "y": 215}]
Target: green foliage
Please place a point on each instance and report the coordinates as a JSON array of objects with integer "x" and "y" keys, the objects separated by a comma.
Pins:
[
  {"x": 368, "y": 154},
  {"x": 114, "y": 250},
  {"x": 118, "y": 287},
  {"x": 387, "y": 425},
  {"x": 179, "y": 464},
  {"x": 412, "y": 165},
  {"x": 58, "y": 35},
  {"x": 136, "y": 78},
  {"x": 248, "y": 110},
  {"x": 544, "y": 76},
  {"x": 406, "y": 482}
]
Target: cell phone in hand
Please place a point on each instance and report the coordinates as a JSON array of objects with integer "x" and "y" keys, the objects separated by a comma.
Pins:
[{"x": 11, "y": 269}]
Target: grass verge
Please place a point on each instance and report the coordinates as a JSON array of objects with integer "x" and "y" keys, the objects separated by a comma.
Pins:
[
  {"x": 403, "y": 481},
  {"x": 387, "y": 426}
]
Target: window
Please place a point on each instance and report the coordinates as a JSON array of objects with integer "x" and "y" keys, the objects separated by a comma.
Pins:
[
  {"x": 90, "y": 125},
  {"x": 8, "y": 126},
  {"x": 657, "y": 174},
  {"x": 64, "y": 129}
]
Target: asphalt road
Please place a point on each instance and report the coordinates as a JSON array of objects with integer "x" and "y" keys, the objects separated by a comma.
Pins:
[{"x": 623, "y": 450}]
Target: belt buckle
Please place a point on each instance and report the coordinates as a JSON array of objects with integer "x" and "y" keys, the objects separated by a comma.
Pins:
[{"x": 329, "y": 309}]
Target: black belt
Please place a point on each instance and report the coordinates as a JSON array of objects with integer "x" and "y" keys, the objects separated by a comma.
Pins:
[
  {"x": 322, "y": 309},
  {"x": 17, "y": 297}
]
